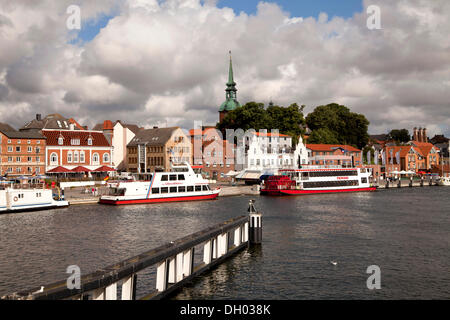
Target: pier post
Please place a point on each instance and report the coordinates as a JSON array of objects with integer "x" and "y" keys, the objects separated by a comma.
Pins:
[
  {"x": 399, "y": 184},
  {"x": 387, "y": 184},
  {"x": 161, "y": 276},
  {"x": 431, "y": 181},
  {"x": 129, "y": 288},
  {"x": 410, "y": 182},
  {"x": 255, "y": 226},
  {"x": 421, "y": 181}
]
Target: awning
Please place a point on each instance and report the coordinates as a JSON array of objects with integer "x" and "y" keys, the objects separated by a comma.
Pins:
[
  {"x": 232, "y": 173},
  {"x": 104, "y": 169},
  {"x": 249, "y": 175},
  {"x": 80, "y": 169},
  {"x": 59, "y": 170}
]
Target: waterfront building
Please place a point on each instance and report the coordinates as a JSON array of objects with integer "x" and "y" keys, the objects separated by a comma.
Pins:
[
  {"x": 429, "y": 152},
  {"x": 214, "y": 155},
  {"x": 264, "y": 153},
  {"x": 119, "y": 135},
  {"x": 333, "y": 154},
  {"x": 21, "y": 153},
  {"x": 53, "y": 121},
  {"x": 73, "y": 148},
  {"x": 155, "y": 149},
  {"x": 231, "y": 102}
]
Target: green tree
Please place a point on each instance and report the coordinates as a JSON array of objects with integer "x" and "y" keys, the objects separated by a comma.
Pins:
[
  {"x": 347, "y": 127},
  {"x": 253, "y": 115},
  {"x": 323, "y": 135},
  {"x": 401, "y": 136}
]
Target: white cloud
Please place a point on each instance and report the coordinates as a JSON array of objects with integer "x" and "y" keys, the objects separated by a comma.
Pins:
[{"x": 166, "y": 62}]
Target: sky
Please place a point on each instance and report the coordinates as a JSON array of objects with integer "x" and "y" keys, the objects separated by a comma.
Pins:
[{"x": 162, "y": 63}]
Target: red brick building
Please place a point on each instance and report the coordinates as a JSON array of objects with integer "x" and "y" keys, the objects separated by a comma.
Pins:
[
  {"x": 333, "y": 154},
  {"x": 212, "y": 153},
  {"x": 22, "y": 153},
  {"x": 73, "y": 148}
]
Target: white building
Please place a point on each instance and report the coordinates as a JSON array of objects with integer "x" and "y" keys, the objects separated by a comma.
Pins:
[
  {"x": 265, "y": 153},
  {"x": 119, "y": 135}
]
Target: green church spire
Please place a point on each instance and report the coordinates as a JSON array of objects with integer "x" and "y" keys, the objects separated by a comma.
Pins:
[{"x": 231, "y": 92}]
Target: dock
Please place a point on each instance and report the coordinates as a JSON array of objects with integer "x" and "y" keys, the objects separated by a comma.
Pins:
[{"x": 175, "y": 264}]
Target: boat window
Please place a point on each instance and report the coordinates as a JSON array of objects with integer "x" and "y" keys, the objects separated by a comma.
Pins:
[
  {"x": 173, "y": 177},
  {"x": 173, "y": 189},
  {"x": 155, "y": 190},
  {"x": 363, "y": 180},
  {"x": 164, "y": 177},
  {"x": 181, "y": 189},
  {"x": 205, "y": 188},
  {"x": 181, "y": 177},
  {"x": 164, "y": 190},
  {"x": 117, "y": 192},
  {"x": 190, "y": 188},
  {"x": 198, "y": 188},
  {"x": 304, "y": 174}
]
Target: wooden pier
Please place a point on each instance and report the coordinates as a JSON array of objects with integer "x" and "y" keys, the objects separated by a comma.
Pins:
[{"x": 175, "y": 264}]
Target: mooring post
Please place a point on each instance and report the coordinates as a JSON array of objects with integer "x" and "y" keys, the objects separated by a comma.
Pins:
[
  {"x": 410, "y": 182},
  {"x": 255, "y": 226},
  {"x": 421, "y": 181},
  {"x": 387, "y": 184},
  {"x": 399, "y": 185},
  {"x": 431, "y": 181}
]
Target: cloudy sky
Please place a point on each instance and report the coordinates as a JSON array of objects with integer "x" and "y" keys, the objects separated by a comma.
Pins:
[{"x": 155, "y": 62}]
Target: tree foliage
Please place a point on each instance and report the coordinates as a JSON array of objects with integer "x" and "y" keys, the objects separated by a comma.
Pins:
[
  {"x": 254, "y": 115},
  {"x": 337, "y": 123},
  {"x": 401, "y": 136}
]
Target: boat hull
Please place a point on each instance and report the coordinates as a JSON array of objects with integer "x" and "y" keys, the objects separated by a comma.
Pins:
[
  {"x": 304, "y": 192},
  {"x": 29, "y": 208},
  {"x": 159, "y": 200}
]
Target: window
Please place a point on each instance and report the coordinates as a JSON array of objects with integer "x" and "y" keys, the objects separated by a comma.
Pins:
[
  {"x": 181, "y": 177},
  {"x": 38, "y": 159},
  {"x": 198, "y": 188},
  {"x": 205, "y": 188},
  {"x": 165, "y": 177},
  {"x": 82, "y": 159},
  {"x": 173, "y": 189},
  {"x": 173, "y": 177},
  {"x": 9, "y": 140},
  {"x": 10, "y": 149},
  {"x": 155, "y": 190},
  {"x": 75, "y": 156},
  {"x": 17, "y": 149},
  {"x": 53, "y": 159},
  {"x": 190, "y": 189},
  {"x": 38, "y": 149},
  {"x": 19, "y": 142},
  {"x": 60, "y": 141},
  {"x": 164, "y": 190},
  {"x": 69, "y": 157},
  {"x": 75, "y": 142},
  {"x": 181, "y": 189},
  {"x": 95, "y": 158},
  {"x": 30, "y": 149},
  {"x": 29, "y": 159},
  {"x": 10, "y": 159},
  {"x": 106, "y": 157},
  {"x": 90, "y": 142},
  {"x": 363, "y": 180},
  {"x": 18, "y": 159}
]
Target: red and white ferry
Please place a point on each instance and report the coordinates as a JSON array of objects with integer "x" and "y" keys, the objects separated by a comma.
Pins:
[
  {"x": 316, "y": 179},
  {"x": 181, "y": 184}
]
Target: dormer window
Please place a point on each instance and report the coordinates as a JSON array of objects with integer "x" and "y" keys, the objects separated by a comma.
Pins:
[
  {"x": 60, "y": 140},
  {"x": 75, "y": 142},
  {"x": 89, "y": 141}
]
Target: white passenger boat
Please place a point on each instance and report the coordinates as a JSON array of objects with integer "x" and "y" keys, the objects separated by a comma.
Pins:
[
  {"x": 318, "y": 179},
  {"x": 17, "y": 197},
  {"x": 181, "y": 184}
]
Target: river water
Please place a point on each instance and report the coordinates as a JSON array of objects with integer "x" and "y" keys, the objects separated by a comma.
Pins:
[{"x": 406, "y": 232}]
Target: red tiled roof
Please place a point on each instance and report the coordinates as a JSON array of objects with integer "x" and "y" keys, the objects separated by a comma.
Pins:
[
  {"x": 425, "y": 147},
  {"x": 98, "y": 138},
  {"x": 330, "y": 147}
]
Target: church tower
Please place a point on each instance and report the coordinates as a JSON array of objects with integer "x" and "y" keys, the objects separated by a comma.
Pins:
[{"x": 231, "y": 102}]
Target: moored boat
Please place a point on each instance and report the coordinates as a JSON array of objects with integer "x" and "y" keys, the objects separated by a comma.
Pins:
[
  {"x": 16, "y": 198},
  {"x": 317, "y": 179},
  {"x": 179, "y": 185}
]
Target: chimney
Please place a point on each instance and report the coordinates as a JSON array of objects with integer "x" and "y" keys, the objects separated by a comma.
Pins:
[
  {"x": 71, "y": 126},
  {"x": 424, "y": 135},
  {"x": 38, "y": 117},
  {"x": 415, "y": 137},
  {"x": 419, "y": 135}
]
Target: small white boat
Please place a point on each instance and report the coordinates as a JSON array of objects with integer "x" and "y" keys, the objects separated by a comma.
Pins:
[
  {"x": 16, "y": 197},
  {"x": 179, "y": 185},
  {"x": 444, "y": 181}
]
